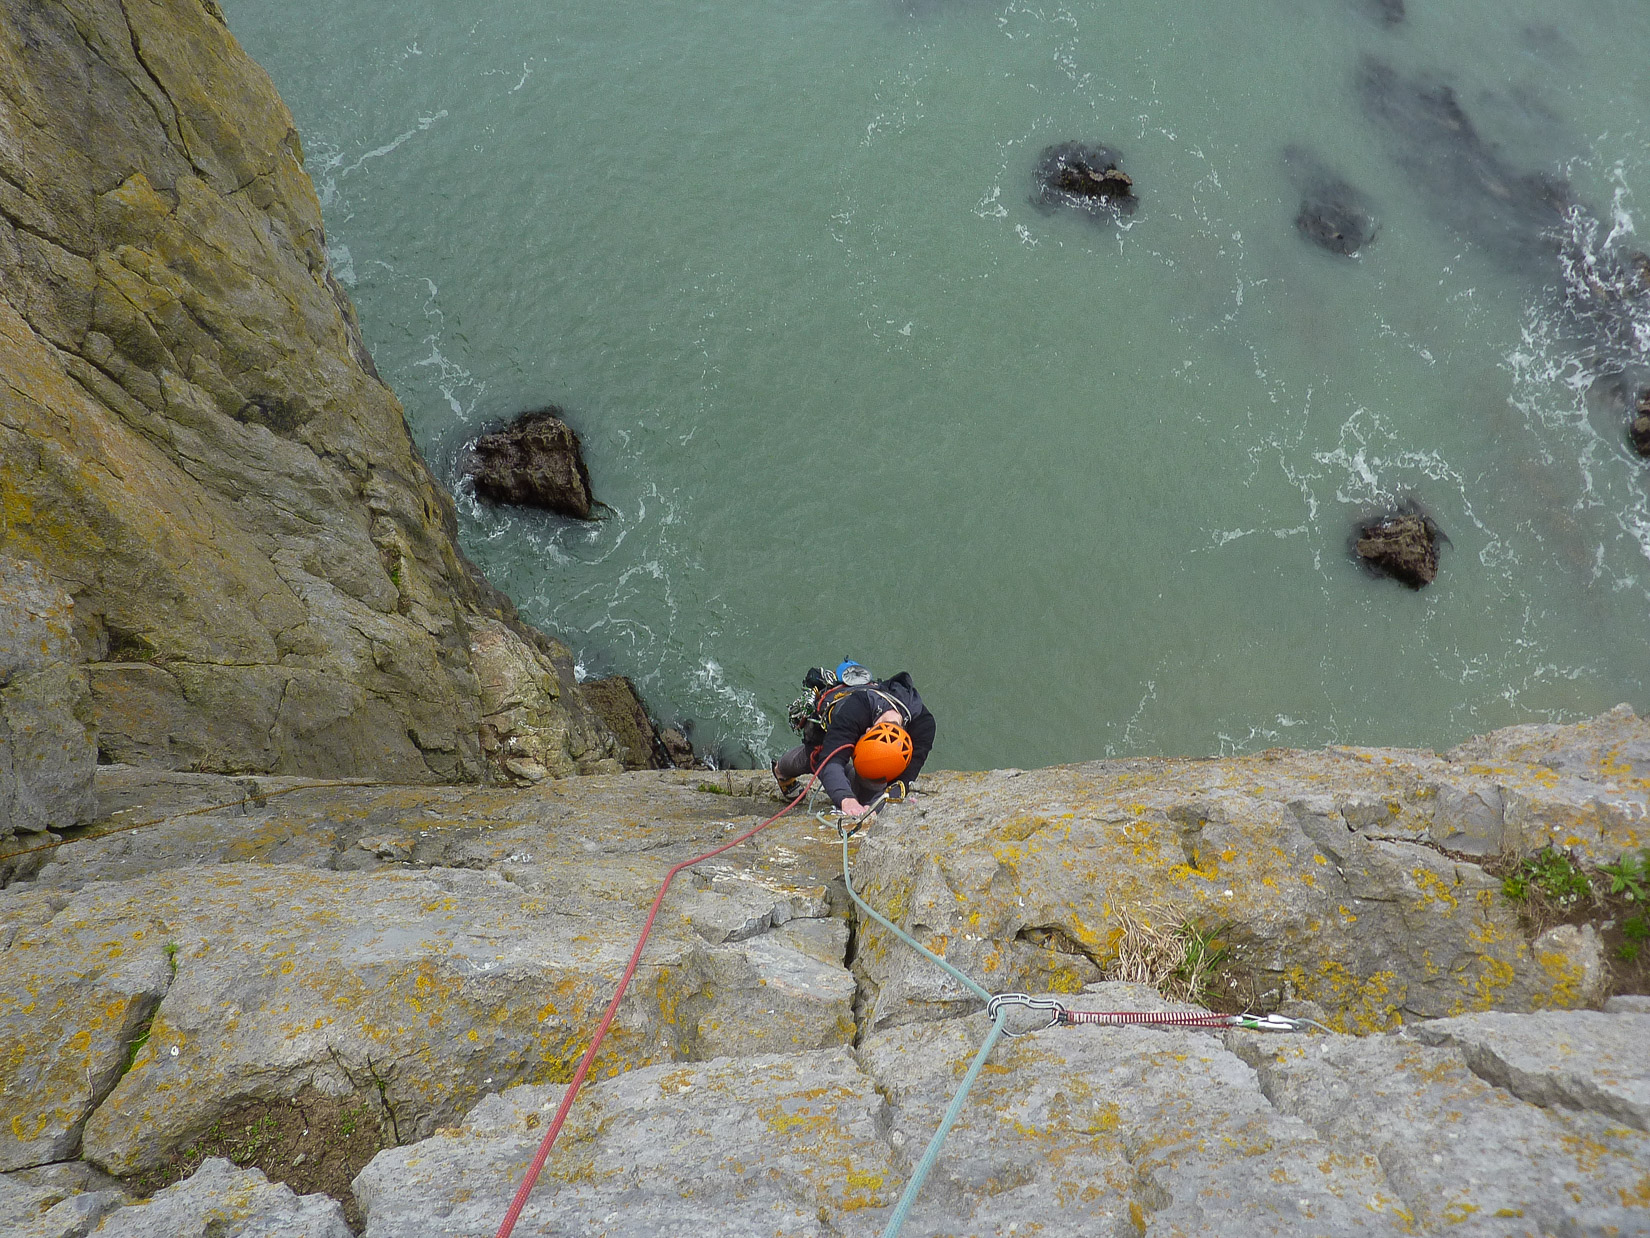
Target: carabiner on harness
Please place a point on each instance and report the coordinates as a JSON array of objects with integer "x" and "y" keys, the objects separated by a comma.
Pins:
[{"x": 1056, "y": 1011}]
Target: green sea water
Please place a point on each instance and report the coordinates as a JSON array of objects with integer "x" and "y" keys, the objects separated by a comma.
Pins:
[{"x": 847, "y": 391}]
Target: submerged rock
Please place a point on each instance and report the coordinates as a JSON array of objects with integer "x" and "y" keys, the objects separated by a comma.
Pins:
[
  {"x": 534, "y": 462},
  {"x": 1333, "y": 215},
  {"x": 1389, "y": 11},
  {"x": 1465, "y": 178},
  {"x": 1638, "y": 429},
  {"x": 1403, "y": 545},
  {"x": 1331, "y": 220},
  {"x": 1087, "y": 178}
]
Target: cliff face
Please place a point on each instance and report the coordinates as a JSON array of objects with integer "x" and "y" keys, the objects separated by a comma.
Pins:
[{"x": 196, "y": 445}]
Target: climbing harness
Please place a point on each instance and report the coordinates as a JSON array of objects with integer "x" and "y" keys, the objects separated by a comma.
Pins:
[{"x": 817, "y": 704}]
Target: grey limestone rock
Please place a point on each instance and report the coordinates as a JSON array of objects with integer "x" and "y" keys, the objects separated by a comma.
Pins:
[
  {"x": 1067, "y": 1132},
  {"x": 1114, "y": 1131},
  {"x": 221, "y": 1201},
  {"x": 57, "y": 1201},
  {"x": 1461, "y": 1154},
  {"x": 271, "y": 950},
  {"x": 1580, "y": 1059},
  {"x": 47, "y": 755},
  {"x": 1328, "y": 896}
]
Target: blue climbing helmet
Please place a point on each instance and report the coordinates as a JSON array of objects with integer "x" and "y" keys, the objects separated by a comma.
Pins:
[{"x": 852, "y": 674}]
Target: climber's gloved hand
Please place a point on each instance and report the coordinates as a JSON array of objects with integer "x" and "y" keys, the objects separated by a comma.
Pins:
[{"x": 897, "y": 791}]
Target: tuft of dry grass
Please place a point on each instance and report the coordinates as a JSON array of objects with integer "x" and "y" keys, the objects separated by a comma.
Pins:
[{"x": 1167, "y": 950}]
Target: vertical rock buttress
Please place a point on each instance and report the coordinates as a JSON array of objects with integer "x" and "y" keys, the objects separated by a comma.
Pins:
[{"x": 196, "y": 445}]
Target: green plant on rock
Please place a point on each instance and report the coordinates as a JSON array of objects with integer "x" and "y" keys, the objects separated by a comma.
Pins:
[
  {"x": 134, "y": 1046},
  {"x": 1629, "y": 877},
  {"x": 1203, "y": 957},
  {"x": 254, "y": 1137},
  {"x": 1550, "y": 873}
]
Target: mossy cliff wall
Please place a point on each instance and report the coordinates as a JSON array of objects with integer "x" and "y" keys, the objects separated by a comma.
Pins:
[{"x": 196, "y": 445}]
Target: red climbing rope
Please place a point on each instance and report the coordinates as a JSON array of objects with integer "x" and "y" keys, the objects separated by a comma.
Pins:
[{"x": 533, "y": 1170}]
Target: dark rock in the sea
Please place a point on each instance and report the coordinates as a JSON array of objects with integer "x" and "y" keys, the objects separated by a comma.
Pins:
[
  {"x": 1085, "y": 177},
  {"x": 642, "y": 744},
  {"x": 1402, "y": 544},
  {"x": 1638, "y": 429},
  {"x": 1466, "y": 179},
  {"x": 678, "y": 748},
  {"x": 1333, "y": 215},
  {"x": 535, "y": 462},
  {"x": 1639, "y": 261},
  {"x": 1389, "y": 11}
]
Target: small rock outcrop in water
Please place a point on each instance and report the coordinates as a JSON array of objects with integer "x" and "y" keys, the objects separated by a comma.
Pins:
[
  {"x": 535, "y": 462},
  {"x": 1638, "y": 429},
  {"x": 1402, "y": 544},
  {"x": 1085, "y": 177},
  {"x": 1332, "y": 215},
  {"x": 642, "y": 743}
]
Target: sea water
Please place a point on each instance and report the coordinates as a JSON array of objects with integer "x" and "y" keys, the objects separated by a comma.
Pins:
[{"x": 846, "y": 391}]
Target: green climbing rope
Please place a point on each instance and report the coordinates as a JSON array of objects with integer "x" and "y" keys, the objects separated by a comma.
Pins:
[
  {"x": 920, "y": 1174},
  {"x": 848, "y": 878}
]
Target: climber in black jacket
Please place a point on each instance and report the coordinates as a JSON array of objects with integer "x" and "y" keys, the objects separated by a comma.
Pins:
[{"x": 873, "y": 734}]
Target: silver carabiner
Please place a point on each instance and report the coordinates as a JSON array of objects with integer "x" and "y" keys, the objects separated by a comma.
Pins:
[
  {"x": 843, "y": 818},
  {"x": 1056, "y": 1010}
]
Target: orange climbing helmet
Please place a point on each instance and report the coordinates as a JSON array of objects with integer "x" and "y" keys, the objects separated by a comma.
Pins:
[{"x": 883, "y": 752}]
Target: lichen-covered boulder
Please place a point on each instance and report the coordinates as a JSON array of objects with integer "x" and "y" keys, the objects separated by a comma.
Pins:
[
  {"x": 221, "y": 1201},
  {"x": 342, "y": 938},
  {"x": 1067, "y": 1133}
]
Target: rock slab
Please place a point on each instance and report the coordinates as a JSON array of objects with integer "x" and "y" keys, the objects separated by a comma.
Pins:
[
  {"x": 1068, "y": 1132},
  {"x": 372, "y": 959},
  {"x": 47, "y": 753}
]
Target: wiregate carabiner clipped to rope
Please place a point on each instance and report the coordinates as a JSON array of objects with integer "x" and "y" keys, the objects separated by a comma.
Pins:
[
  {"x": 854, "y": 824},
  {"x": 1056, "y": 1010}
]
